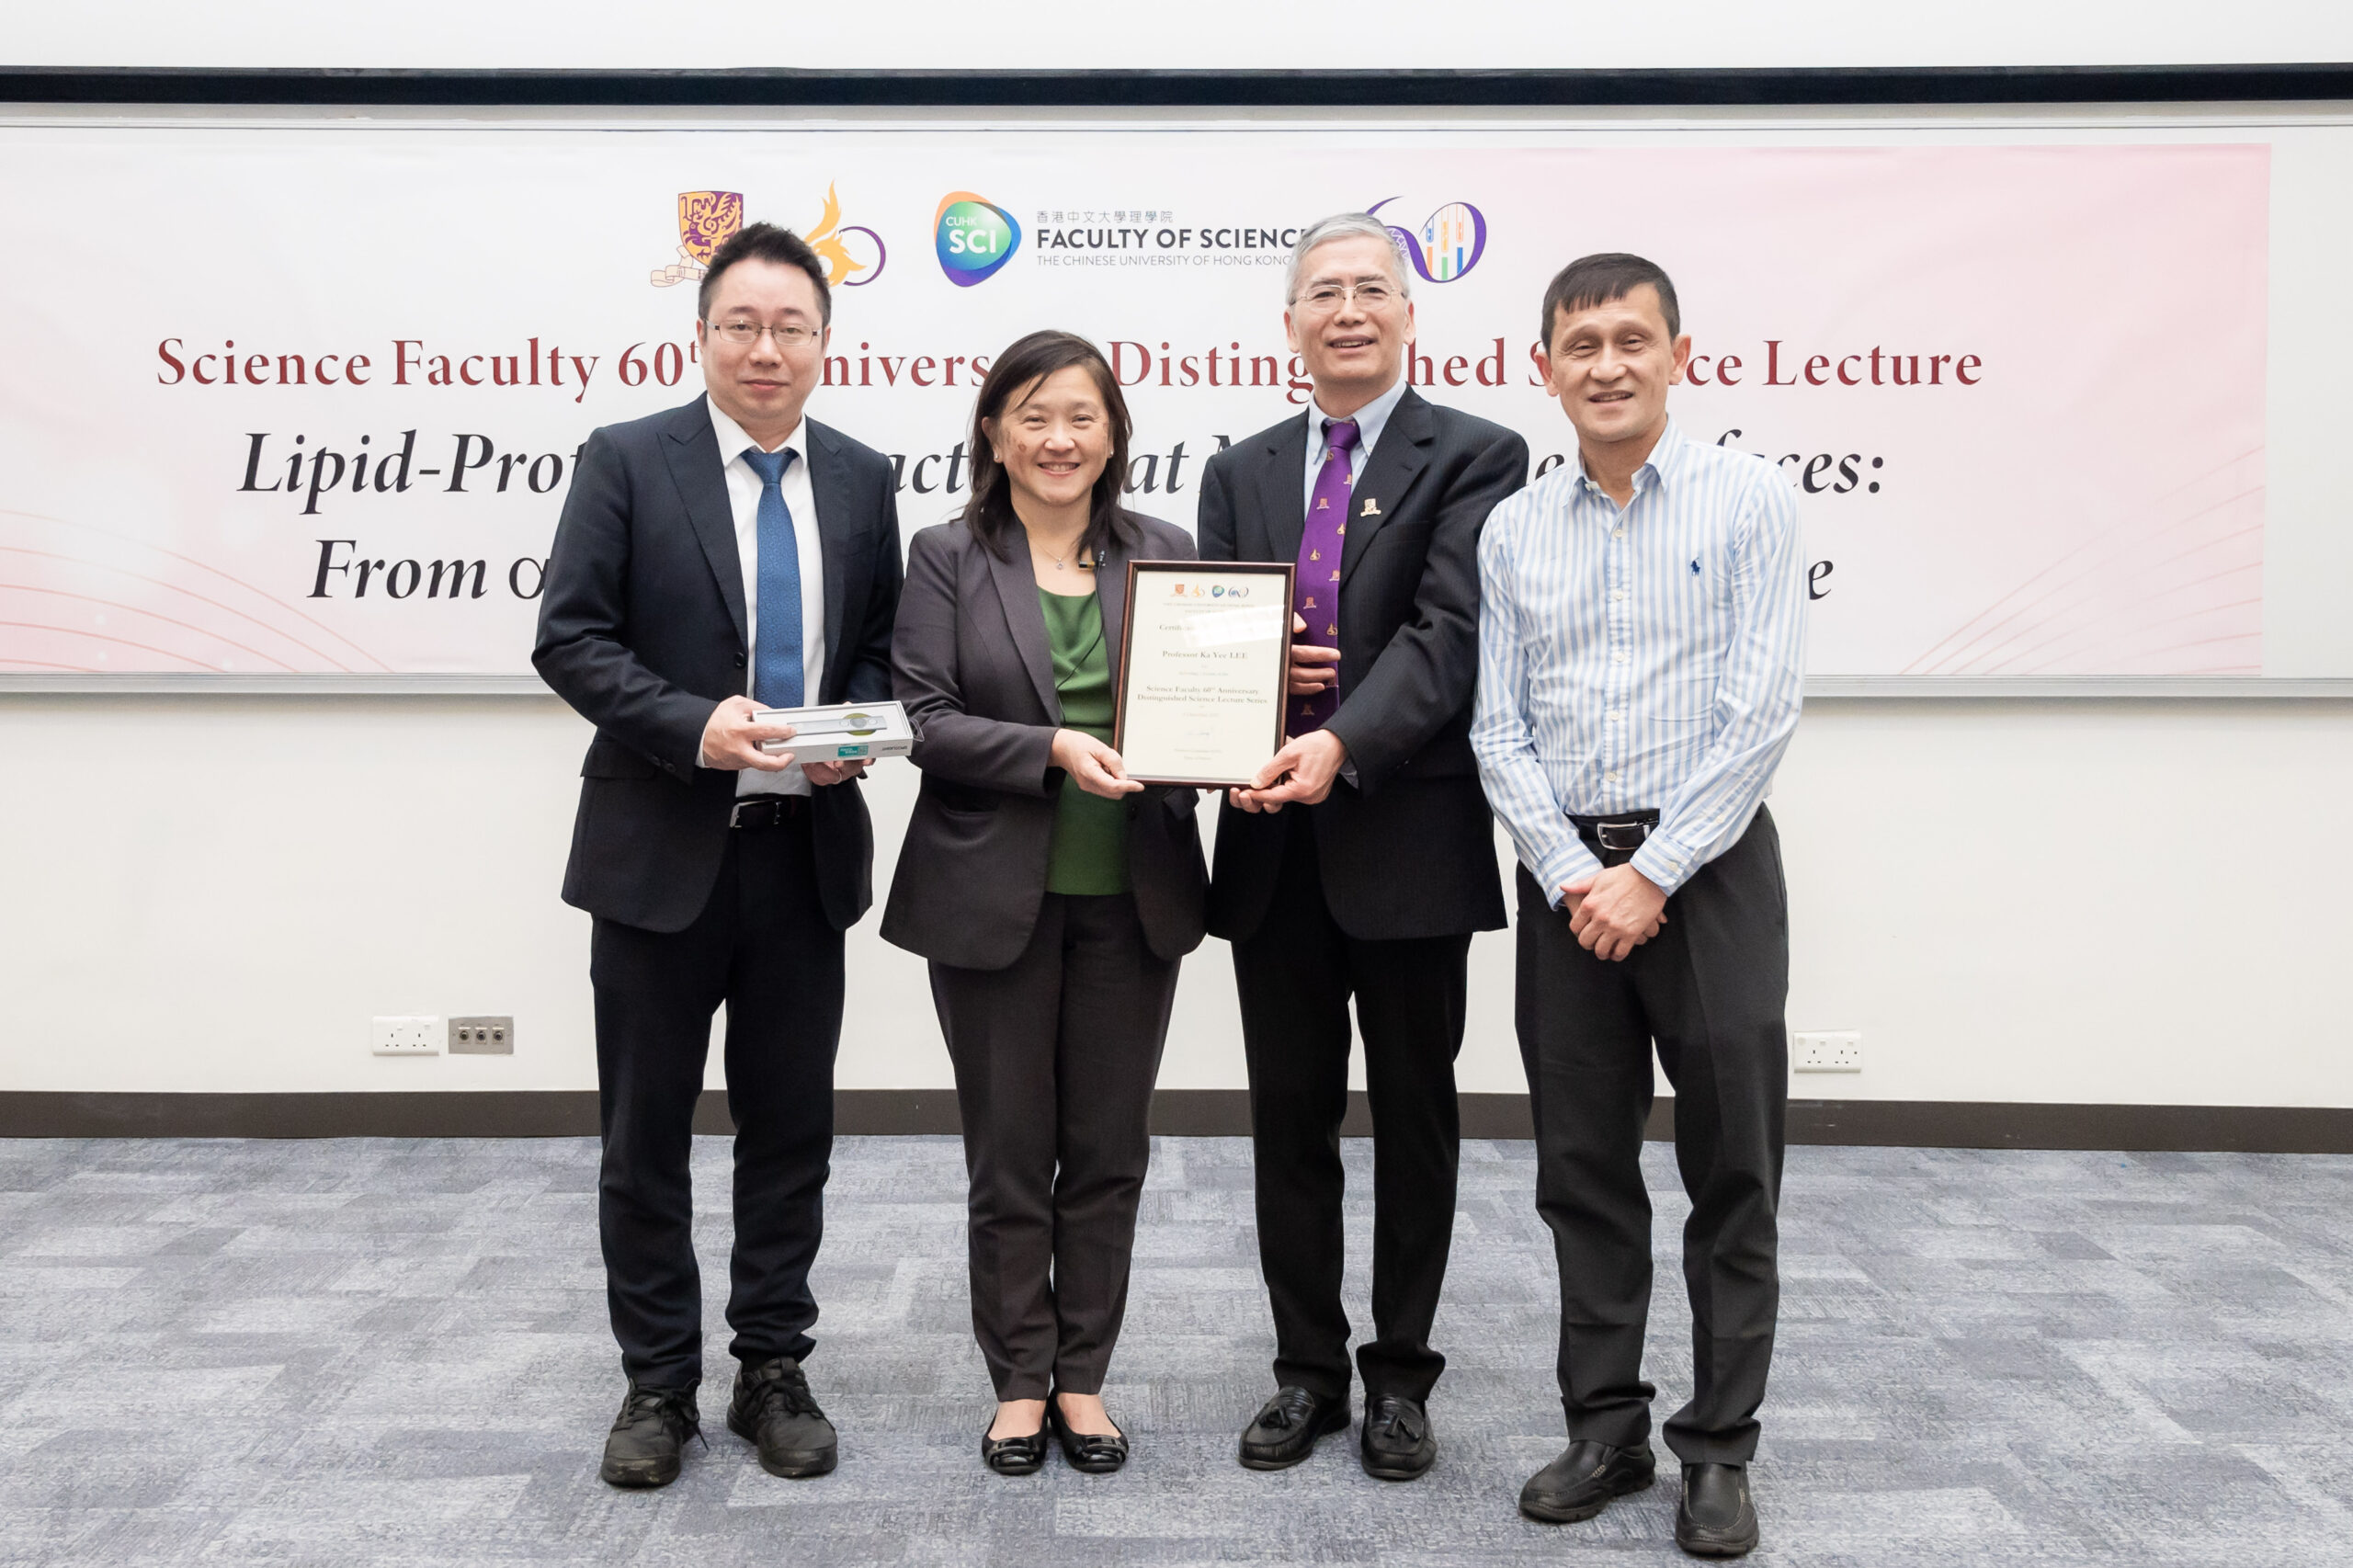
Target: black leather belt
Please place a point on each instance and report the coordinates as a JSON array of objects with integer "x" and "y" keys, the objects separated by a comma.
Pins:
[
  {"x": 1618, "y": 836},
  {"x": 766, "y": 810}
]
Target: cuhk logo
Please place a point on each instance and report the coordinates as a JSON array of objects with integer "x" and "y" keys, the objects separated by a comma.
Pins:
[{"x": 975, "y": 238}]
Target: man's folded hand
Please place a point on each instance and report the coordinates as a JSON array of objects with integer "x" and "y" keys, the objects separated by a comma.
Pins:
[{"x": 1614, "y": 911}]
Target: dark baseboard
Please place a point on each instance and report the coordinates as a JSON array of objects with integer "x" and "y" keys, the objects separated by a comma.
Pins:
[
  {"x": 1197, "y": 1113},
  {"x": 1386, "y": 89}
]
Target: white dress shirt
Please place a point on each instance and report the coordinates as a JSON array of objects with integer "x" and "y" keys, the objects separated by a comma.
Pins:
[
  {"x": 1371, "y": 420},
  {"x": 744, "y": 502},
  {"x": 1646, "y": 658}
]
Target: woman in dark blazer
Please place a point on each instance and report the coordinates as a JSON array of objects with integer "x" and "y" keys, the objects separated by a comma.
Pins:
[{"x": 1053, "y": 894}]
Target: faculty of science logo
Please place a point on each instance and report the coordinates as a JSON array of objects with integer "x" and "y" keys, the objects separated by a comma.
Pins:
[
  {"x": 974, "y": 236},
  {"x": 1450, "y": 241},
  {"x": 709, "y": 219}
]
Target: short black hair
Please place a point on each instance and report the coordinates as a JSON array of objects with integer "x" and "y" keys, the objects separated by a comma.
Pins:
[
  {"x": 1596, "y": 279},
  {"x": 765, "y": 241}
]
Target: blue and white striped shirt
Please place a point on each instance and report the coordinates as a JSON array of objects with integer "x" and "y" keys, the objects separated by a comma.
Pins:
[{"x": 1653, "y": 657}]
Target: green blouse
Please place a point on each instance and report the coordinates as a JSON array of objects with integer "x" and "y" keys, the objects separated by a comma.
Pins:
[{"x": 1090, "y": 849}]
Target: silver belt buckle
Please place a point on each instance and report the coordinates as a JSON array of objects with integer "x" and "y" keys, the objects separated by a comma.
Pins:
[
  {"x": 1604, "y": 834},
  {"x": 735, "y": 813}
]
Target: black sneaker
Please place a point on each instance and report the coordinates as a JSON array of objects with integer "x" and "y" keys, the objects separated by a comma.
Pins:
[
  {"x": 643, "y": 1447},
  {"x": 774, "y": 1409}
]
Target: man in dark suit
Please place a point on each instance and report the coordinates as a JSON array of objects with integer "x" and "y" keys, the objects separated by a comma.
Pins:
[
  {"x": 714, "y": 561},
  {"x": 1372, "y": 883}
]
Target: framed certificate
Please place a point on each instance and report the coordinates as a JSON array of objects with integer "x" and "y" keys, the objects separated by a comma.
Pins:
[{"x": 1203, "y": 670}]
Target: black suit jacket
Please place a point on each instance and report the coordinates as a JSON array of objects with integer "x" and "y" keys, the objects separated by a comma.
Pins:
[
  {"x": 642, "y": 628},
  {"x": 1408, "y": 848},
  {"x": 972, "y": 663}
]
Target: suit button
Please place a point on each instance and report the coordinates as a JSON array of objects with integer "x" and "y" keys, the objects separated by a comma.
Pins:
[
  {"x": 739, "y": 661},
  {"x": 1131, "y": 809}
]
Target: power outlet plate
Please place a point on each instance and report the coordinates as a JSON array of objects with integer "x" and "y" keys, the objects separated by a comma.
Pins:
[
  {"x": 413, "y": 1034},
  {"x": 1838, "y": 1050},
  {"x": 492, "y": 1035}
]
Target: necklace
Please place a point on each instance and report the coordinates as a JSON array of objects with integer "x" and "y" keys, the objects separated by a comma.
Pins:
[{"x": 1062, "y": 563}]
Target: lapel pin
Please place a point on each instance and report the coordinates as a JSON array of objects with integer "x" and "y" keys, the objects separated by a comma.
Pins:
[{"x": 1372, "y": 509}]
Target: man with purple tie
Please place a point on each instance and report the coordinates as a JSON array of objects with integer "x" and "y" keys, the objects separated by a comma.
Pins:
[{"x": 1372, "y": 884}]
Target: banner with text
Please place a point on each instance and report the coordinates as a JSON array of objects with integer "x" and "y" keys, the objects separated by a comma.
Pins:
[{"x": 308, "y": 400}]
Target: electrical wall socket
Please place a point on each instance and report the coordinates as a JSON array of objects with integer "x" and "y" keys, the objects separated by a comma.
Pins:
[
  {"x": 409, "y": 1035},
  {"x": 482, "y": 1037},
  {"x": 1835, "y": 1051}
]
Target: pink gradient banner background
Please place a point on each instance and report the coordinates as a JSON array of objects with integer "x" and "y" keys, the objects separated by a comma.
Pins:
[{"x": 2089, "y": 500}]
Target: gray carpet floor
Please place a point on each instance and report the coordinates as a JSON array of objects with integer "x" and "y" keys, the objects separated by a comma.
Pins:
[{"x": 392, "y": 1351}]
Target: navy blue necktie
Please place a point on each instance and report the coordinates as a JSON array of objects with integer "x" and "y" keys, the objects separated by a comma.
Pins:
[{"x": 777, "y": 674}]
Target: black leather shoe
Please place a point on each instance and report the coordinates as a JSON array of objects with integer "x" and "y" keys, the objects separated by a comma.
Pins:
[
  {"x": 1717, "y": 1517},
  {"x": 1015, "y": 1456},
  {"x": 774, "y": 1409},
  {"x": 1285, "y": 1429},
  {"x": 1581, "y": 1482},
  {"x": 643, "y": 1447},
  {"x": 1396, "y": 1443},
  {"x": 1090, "y": 1451}
]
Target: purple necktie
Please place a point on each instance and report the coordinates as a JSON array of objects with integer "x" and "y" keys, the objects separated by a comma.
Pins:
[{"x": 1315, "y": 594}]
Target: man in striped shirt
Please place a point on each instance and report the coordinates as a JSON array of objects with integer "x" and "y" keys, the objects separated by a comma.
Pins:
[{"x": 1641, "y": 643}]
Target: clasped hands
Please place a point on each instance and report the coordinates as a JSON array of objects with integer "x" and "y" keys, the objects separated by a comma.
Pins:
[
  {"x": 1614, "y": 911},
  {"x": 731, "y": 737},
  {"x": 1303, "y": 769}
]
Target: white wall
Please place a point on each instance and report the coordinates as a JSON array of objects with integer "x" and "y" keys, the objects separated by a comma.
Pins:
[
  {"x": 1203, "y": 34},
  {"x": 2119, "y": 901},
  {"x": 2137, "y": 903}
]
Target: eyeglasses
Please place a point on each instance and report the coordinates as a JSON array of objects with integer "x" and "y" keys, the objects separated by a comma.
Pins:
[
  {"x": 1325, "y": 297},
  {"x": 744, "y": 334}
]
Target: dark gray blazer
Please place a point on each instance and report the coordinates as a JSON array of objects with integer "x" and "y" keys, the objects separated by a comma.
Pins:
[
  {"x": 971, "y": 662},
  {"x": 642, "y": 628},
  {"x": 1409, "y": 849}
]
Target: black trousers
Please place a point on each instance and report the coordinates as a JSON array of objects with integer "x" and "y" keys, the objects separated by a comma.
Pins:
[
  {"x": 1295, "y": 977},
  {"x": 762, "y": 947},
  {"x": 1055, "y": 1057},
  {"x": 1710, "y": 990}
]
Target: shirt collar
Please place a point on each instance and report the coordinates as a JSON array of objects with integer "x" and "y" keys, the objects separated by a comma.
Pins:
[
  {"x": 1372, "y": 419},
  {"x": 731, "y": 440},
  {"x": 1665, "y": 457}
]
